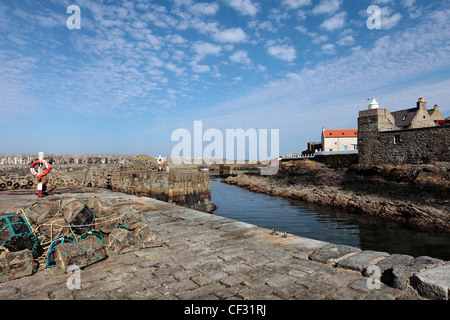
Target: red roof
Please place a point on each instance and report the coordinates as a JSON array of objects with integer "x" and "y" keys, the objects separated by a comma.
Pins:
[{"x": 346, "y": 133}]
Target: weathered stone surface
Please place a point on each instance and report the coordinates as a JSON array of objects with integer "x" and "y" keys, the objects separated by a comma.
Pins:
[
  {"x": 199, "y": 262},
  {"x": 389, "y": 262},
  {"x": 433, "y": 283},
  {"x": 361, "y": 260},
  {"x": 398, "y": 276},
  {"x": 331, "y": 253}
]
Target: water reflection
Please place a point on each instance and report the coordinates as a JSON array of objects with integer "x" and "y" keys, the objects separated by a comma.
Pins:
[{"x": 325, "y": 223}]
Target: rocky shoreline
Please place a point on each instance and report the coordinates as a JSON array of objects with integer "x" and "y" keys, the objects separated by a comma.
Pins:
[{"x": 415, "y": 195}]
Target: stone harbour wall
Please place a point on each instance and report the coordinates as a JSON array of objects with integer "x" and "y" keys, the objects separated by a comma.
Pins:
[{"x": 136, "y": 175}]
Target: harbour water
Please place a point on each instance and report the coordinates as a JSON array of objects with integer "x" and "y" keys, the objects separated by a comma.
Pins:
[{"x": 325, "y": 223}]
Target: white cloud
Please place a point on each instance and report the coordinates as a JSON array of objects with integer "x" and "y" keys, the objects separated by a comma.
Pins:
[
  {"x": 346, "y": 41},
  {"x": 209, "y": 9},
  {"x": 202, "y": 49},
  {"x": 282, "y": 52},
  {"x": 408, "y": 3},
  {"x": 244, "y": 7},
  {"x": 329, "y": 49},
  {"x": 388, "y": 18},
  {"x": 240, "y": 56},
  {"x": 295, "y": 4},
  {"x": 335, "y": 22},
  {"x": 231, "y": 35},
  {"x": 200, "y": 68},
  {"x": 327, "y": 7},
  {"x": 302, "y": 29}
]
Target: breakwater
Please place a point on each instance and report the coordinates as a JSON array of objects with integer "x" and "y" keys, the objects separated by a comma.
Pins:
[{"x": 136, "y": 175}]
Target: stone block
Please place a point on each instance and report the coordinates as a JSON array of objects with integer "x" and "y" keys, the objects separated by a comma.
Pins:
[
  {"x": 433, "y": 283},
  {"x": 361, "y": 260},
  {"x": 399, "y": 275},
  {"x": 331, "y": 253},
  {"x": 389, "y": 262}
]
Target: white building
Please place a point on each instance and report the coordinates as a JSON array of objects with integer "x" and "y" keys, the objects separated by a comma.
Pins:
[{"x": 339, "y": 140}]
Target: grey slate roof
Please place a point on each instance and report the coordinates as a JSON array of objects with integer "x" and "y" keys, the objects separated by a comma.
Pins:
[{"x": 403, "y": 118}]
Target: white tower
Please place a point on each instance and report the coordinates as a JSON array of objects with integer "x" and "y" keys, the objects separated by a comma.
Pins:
[{"x": 374, "y": 104}]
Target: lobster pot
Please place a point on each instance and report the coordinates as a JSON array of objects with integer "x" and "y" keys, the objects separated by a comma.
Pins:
[
  {"x": 130, "y": 217},
  {"x": 52, "y": 250},
  {"x": 146, "y": 237},
  {"x": 38, "y": 213},
  {"x": 16, "y": 235},
  {"x": 121, "y": 240},
  {"x": 45, "y": 222},
  {"x": 15, "y": 265},
  {"x": 93, "y": 233},
  {"x": 78, "y": 215},
  {"x": 106, "y": 218},
  {"x": 82, "y": 253}
]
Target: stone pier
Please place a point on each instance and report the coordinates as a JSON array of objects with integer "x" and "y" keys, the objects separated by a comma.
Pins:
[
  {"x": 208, "y": 257},
  {"x": 136, "y": 175}
]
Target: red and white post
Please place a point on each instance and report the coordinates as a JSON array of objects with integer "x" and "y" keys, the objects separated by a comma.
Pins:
[
  {"x": 39, "y": 184},
  {"x": 40, "y": 173},
  {"x": 160, "y": 162}
]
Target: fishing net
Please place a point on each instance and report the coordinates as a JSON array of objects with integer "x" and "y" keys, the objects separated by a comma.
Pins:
[
  {"x": 130, "y": 217},
  {"x": 78, "y": 215},
  {"x": 46, "y": 221},
  {"x": 16, "y": 235},
  {"x": 121, "y": 240},
  {"x": 52, "y": 249},
  {"x": 106, "y": 218},
  {"x": 146, "y": 237},
  {"x": 38, "y": 213},
  {"x": 72, "y": 233},
  {"x": 82, "y": 253},
  {"x": 15, "y": 265}
]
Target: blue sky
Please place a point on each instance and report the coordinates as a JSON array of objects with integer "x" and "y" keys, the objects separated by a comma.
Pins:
[{"x": 138, "y": 70}]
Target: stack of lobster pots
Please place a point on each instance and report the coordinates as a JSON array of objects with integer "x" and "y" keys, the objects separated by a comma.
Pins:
[{"x": 67, "y": 233}]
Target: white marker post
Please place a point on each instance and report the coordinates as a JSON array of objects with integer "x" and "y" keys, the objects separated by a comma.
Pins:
[
  {"x": 160, "y": 162},
  {"x": 40, "y": 173},
  {"x": 39, "y": 184}
]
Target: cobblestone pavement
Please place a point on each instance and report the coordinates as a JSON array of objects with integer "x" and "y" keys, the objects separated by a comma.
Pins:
[{"x": 207, "y": 257}]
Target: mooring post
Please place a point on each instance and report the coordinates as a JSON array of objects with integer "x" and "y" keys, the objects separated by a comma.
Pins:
[
  {"x": 40, "y": 173},
  {"x": 160, "y": 162}
]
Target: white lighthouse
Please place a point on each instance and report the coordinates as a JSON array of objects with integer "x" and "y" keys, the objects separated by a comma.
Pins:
[{"x": 374, "y": 104}]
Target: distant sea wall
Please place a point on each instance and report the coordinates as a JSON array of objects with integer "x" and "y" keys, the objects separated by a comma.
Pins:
[{"x": 131, "y": 174}]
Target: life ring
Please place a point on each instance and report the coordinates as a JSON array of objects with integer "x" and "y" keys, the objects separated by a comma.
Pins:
[{"x": 45, "y": 163}]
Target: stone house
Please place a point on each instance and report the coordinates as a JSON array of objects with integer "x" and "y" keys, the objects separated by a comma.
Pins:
[{"x": 414, "y": 136}]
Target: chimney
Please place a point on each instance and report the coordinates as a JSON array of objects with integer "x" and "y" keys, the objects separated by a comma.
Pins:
[{"x": 421, "y": 104}]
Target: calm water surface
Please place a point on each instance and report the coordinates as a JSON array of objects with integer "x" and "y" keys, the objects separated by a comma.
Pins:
[{"x": 326, "y": 224}]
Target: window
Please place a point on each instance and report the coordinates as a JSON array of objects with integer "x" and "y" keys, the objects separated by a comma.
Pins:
[{"x": 396, "y": 139}]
